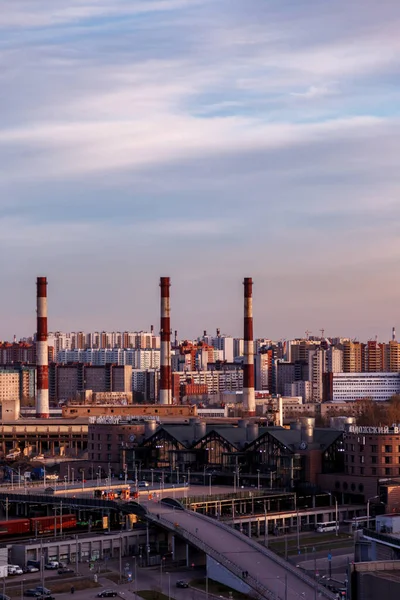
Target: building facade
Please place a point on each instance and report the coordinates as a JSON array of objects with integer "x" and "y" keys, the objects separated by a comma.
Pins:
[{"x": 348, "y": 387}]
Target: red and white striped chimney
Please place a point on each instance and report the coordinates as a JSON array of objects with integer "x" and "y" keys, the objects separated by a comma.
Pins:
[
  {"x": 42, "y": 397},
  {"x": 165, "y": 354},
  {"x": 249, "y": 402}
]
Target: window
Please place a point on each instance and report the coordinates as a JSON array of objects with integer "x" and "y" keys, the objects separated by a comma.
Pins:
[
  {"x": 108, "y": 448},
  {"x": 352, "y": 458},
  {"x": 362, "y": 459},
  {"x": 98, "y": 446},
  {"x": 361, "y": 448},
  {"x": 374, "y": 460},
  {"x": 388, "y": 448},
  {"x": 374, "y": 448},
  {"x": 361, "y": 470},
  {"x": 388, "y": 471},
  {"x": 373, "y": 470},
  {"x": 351, "y": 471},
  {"x": 108, "y": 437},
  {"x": 98, "y": 436},
  {"x": 388, "y": 460}
]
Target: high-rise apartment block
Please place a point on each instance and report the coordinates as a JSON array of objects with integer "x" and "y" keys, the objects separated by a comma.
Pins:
[
  {"x": 9, "y": 385},
  {"x": 353, "y": 357}
]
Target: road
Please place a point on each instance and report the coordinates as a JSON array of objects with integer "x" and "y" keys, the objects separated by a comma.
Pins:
[{"x": 238, "y": 550}]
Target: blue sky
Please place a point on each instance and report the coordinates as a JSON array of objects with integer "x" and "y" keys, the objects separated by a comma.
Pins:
[{"x": 207, "y": 140}]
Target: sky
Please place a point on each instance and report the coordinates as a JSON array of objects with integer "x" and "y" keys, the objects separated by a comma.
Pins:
[{"x": 208, "y": 141}]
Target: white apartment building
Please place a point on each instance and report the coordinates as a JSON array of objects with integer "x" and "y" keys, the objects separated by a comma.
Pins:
[
  {"x": 138, "y": 359},
  {"x": 224, "y": 343},
  {"x": 316, "y": 370},
  {"x": 238, "y": 347},
  {"x": 216, "y": 381},
  {"x": 261, "y": 371},
  {"x": 334, "y": 360},
  {"x": 9, "y": 385},
  {"x": 301, "y": 389},
  {"x": 348, "y": 387}
]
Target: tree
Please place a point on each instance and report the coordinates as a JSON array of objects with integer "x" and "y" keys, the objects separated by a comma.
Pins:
[{"x": 371, "y": 412}]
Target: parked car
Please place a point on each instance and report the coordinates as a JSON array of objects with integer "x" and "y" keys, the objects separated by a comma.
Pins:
[
  {"x": 107, "y": 594},
  {"x": 65, "y": 570},
  {"x": 43, "y": 590},
  {"x": 143, "y": 484},
  {"x": 14, "y": 570},
  {"x": 30, "y": 569},
  {"x": 182, "y": 584},
  {"x": 52, "y": 565},
  {"x": 32, "y": 593},
  {"x": 33, "y": 563}
]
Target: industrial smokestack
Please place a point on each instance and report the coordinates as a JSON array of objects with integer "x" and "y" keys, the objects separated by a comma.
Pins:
[
  {"x": 393, "y": 334},
  {"x": 151, "y": 329},
  {"x": 42, "y": 360},
  {"x": 249, "y": 402},
  {"x": 176, "y": 339},
  {"x": 218, "y": 332},
  {"x": 204, "y": 333},
  {"x": 165, "y": 333}
]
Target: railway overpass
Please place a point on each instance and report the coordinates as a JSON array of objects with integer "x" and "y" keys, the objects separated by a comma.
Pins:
[{"x": 268, "y": 575}]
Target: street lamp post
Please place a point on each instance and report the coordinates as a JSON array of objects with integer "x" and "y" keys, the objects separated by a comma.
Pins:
[
  {"x": 188, "y": 477},
  {"x": 152, "y": 477},
  {"x": 22, "y": 589},
  {"x": 210, "y": 484},
  {"x": 258, "y": 479},
  {"x": 169, "y": 586},
  {"x": 336, "y": 513},
  {"x": 368, "y": 501},
  {"x": 135, "y": 576}
]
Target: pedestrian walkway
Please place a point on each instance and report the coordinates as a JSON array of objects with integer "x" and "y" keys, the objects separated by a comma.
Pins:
[{"x": 267, "y": 574}]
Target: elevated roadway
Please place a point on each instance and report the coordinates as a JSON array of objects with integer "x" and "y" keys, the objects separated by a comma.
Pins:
[{"x": 268, "y": 575}]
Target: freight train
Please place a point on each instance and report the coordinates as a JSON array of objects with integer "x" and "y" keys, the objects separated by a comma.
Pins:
[{"x": 37, "y": 525}]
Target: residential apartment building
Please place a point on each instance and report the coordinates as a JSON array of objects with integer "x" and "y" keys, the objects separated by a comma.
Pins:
[
  {"x": 334, "y": 360},
  {"x": 353, "y": 357},
  {"x": 300, "y": 388},
  {"x": 9, "y": 385}
]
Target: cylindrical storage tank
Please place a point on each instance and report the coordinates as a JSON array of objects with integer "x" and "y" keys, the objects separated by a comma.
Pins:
[
  {"x": 199, "y": 429},
  {"x": 193, "y": 420},
  {"x": 307, "y": 428},
  {"x": 149, "y": 428},
  {"x": 340, "y": 423},
  {"x": 295, "y": 426},
  {"x": 252, "y": 432},
  {"x": 242, "y": 423}
]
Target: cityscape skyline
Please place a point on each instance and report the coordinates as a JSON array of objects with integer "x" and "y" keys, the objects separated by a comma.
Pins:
[{"x": 204, "y": 140}]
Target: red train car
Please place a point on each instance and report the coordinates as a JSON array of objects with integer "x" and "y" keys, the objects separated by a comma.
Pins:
[
  {"x": 15, "y": 526},
  {"x": 45, "y": 524}
]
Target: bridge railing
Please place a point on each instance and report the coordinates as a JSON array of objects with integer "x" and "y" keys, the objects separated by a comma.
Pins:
[
  {"x": 261, "y": 590},
  {"x": 322, "y": 591}
]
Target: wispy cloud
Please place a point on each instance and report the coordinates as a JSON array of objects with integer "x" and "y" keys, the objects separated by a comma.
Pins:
[{"x": 172, "y": 133}]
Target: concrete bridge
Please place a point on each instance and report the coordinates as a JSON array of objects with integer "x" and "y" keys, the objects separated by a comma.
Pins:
[{"x": 268, "y": 576}]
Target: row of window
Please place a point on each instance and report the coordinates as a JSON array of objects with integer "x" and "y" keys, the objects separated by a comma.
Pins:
[
  {"x": 100, "y": 457},
  {"x": 387, "y": 460},
  {"x": 392, "y": 472},
  {"x": 387, "y": 448}
]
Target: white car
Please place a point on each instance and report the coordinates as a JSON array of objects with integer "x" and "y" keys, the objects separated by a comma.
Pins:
[{"x": 143, "y": 484}]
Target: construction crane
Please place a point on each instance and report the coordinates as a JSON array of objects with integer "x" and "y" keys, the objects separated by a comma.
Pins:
[
  {"x": 322, "y": 332},
  {"x": 308, "y": 334}
]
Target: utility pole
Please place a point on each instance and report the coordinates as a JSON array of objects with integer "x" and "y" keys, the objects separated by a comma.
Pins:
[{"x": 76, "y": 556}]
